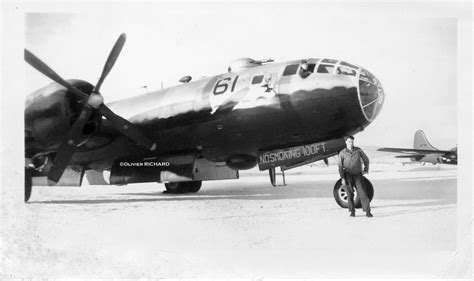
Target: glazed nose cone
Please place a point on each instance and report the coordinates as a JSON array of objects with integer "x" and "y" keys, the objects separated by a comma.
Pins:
[{"x": 371, "y": 95}]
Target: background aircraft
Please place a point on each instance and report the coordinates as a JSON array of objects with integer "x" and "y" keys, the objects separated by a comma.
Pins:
[
  {"x": 258, "y": 112},
  {"x": 424, "y": 152}
]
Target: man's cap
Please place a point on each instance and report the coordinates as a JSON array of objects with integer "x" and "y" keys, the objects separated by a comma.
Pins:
[{"x": 349, "y": 137}]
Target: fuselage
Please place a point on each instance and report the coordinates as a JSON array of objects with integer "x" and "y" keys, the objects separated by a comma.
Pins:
[
  {"x": 450, "y": 157},
  {"x": 258, "y": 108},
  {"x": 252, "y": 108}
]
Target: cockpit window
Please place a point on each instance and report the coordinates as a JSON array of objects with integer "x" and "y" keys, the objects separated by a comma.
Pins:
[
  {"x": 329, "y": 61},
  {"x": 325, "y": 68},
  {"x": 371, "y": 93},
  {"x": 290, "y": 69},
  {"x": 369, "y": 77},
  {"x": 369, "y": 97},
  {"x": 344, "y": 70},
  {"x": 368, "y": 92},
  {"x": 306, "y": 69},
  {"x": 257, "y": 79},
  {"x": 311, "y": 67},
  {"x": 349, "y": 65}
]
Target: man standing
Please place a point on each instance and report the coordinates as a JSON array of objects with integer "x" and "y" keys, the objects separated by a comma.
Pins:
[{"x": 350, "y": 169}]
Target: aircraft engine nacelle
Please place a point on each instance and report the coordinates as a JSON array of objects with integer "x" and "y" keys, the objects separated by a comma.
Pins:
[
  {"x": 50, "y": 113},
  {"x": 241, "y": 162}
]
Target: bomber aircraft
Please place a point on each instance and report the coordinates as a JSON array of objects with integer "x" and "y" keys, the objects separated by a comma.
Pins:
[
  {"x": 257, "y": 113},
  {"x": 424, "y": 152}
]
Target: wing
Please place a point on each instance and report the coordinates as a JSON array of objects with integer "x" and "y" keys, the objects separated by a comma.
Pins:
[
  {"x": 412, "y": 151},
  {"x": 416, "y": 157}
]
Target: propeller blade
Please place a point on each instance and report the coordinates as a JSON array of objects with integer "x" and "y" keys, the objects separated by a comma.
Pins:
[
  {"x": 114, "y": 53},
  {"x": 42, "y": 67},
  {"x": 127, "y": 128},
  {"x": 94, "y": 101},
  {"x": 68, "y": 146}
]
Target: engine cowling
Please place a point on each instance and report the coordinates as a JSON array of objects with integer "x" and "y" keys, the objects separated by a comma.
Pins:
[{"x": 49, "y": 115}]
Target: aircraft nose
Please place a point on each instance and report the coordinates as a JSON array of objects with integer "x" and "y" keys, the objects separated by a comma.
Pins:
[{"x": 371, "y": 94}]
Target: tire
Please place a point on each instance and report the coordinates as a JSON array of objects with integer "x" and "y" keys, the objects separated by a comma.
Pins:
[
  {"x": 340, "y": 195},
  {"x": 193, "y": 186},
  {"x": 175, "y": 188},
  {"x": 28, "y": 184},
  {"x": 183, "y": 187}
]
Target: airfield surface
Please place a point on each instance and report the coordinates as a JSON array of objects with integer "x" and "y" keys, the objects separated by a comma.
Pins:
[{"x": 237, "y": 228}]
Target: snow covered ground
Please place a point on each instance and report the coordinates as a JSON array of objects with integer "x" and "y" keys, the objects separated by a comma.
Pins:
[{"x": 238, "y": 228}]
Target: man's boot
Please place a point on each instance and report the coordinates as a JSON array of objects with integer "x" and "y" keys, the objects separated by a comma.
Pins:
[
  {"x": 353, "y": 213},
  {"x": 369, "y": 214}
]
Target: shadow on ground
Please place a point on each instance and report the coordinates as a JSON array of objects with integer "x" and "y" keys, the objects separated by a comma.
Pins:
[{"x": 435, "y": 192}]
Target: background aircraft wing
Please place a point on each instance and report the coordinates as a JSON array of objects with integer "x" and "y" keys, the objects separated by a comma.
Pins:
[
  {"x": 412, "y": 151},
  {"x": 416, "y": 157}
]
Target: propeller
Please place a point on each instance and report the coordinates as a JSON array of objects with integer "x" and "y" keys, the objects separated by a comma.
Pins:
[{"x": 91, "y": 103}]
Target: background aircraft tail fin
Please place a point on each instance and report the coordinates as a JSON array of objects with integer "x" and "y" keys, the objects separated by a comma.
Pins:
[{"x": 421, "y": 142}]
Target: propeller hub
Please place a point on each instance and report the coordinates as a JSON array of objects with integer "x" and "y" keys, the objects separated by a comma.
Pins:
[{"x": 95, "y": 100}]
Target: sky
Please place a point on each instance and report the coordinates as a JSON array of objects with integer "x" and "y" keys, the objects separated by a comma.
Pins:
[{"x": 414, "y": 56}]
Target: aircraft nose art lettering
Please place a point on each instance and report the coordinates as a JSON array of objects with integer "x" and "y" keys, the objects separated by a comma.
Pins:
[
  {"x": 299, "y": 154},
  {"x": 274, "y": 114}
]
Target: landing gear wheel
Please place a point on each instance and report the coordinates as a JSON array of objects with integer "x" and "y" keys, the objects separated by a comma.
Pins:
[
  {"x": 28, "y": 184},
  {"x": 193, "y": 186},
  {"x": 340, "y": 194},
  {"x": 183, "y": 187},
  {"x": 175, "y": 188}
]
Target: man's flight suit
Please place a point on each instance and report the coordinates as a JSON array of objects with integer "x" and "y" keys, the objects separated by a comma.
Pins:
[{"x": 350, "y": 169}]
